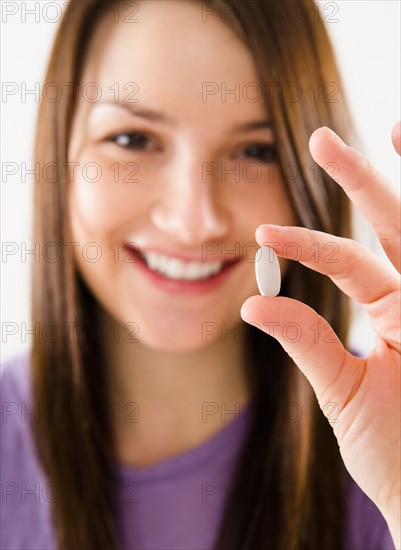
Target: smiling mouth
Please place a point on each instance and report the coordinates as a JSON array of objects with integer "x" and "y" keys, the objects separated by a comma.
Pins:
[{"x": 174, "y": 269}]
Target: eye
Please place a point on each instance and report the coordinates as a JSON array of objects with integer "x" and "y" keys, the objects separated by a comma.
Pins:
[
  {"x": 130, "y": 140},
  {"x": 262, "y": 152}
]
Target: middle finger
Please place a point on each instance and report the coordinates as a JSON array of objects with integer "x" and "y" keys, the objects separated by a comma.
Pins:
[{"x": 375, "y": 197}]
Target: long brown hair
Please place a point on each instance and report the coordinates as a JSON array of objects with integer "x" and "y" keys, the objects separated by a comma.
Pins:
[{"x": 288, "y": 489}]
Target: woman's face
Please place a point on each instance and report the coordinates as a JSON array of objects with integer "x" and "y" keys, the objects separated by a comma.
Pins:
[{"x": 203, "y": 186}]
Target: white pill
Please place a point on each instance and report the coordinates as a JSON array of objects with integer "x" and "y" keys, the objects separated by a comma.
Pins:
[{"x": 267, "y": 271}]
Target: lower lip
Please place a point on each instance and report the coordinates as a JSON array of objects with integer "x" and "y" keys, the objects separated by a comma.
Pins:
[{"x": 175, "y": 286}]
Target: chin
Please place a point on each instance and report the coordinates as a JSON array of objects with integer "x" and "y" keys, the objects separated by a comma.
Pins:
[
  {"x": 172, "y": 342},
  {"x": 172, "y": 331}
]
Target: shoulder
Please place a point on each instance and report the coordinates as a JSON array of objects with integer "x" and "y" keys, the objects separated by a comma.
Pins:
[
  {"x": 17, "y": 411},
  {"x": 15, "y": 377},
  {"x": 25, "y": 497},
  {"x": 366, "y": 527},
  {"x": 16, "y": 403}
]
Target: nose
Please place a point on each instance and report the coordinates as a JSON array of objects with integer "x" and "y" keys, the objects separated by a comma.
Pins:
[{"x": 190, "y": 209}]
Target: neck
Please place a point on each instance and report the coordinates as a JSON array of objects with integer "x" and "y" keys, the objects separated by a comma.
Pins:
[{"x": 179, "y": 399}]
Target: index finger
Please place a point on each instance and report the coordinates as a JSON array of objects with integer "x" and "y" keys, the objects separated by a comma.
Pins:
[{"x": 375, "y": 197}]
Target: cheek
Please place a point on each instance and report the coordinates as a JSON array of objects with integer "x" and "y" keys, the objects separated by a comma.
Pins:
[
  {"x": 265, "y": 202},
  {"x": 103, "y": 194}
]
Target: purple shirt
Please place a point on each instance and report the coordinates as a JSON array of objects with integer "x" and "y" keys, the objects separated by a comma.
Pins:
[{"x": 175, "y": 504}]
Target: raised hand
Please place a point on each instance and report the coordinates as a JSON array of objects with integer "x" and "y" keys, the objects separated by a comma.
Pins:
[{"x": 366, "y": 391}]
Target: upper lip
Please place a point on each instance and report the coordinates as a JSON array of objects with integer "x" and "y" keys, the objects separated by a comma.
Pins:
[{"x": 204, "y": 257}]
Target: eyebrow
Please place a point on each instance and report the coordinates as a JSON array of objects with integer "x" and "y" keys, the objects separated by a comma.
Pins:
[{"x": 157, "y": 116}]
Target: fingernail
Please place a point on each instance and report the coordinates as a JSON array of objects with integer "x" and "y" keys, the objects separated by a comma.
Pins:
[
  {"x": 335, "y": 137},
  {"x": 274, "y": 227}
]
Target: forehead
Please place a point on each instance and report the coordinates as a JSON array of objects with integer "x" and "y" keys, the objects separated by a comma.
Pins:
[{"x": 176, "y": 59}]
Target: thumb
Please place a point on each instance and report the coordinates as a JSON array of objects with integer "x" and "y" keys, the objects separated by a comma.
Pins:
[{"x": 312, "y": 344}]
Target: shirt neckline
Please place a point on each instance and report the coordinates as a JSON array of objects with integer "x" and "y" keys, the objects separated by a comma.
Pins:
[{"x": 220, "y": 446}]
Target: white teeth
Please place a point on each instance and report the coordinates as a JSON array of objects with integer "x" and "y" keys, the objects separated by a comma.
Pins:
[
  {"x": 151, "y": 260},
  {"x": 174, "y": 268},
  {"x": 178, "y": 269}
]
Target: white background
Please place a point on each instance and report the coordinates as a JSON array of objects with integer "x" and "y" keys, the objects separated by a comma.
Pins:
[{"x": 366, "y": 38}]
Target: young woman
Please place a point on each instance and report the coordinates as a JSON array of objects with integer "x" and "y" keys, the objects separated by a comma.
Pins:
[{"x": 179, "y": 408}]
